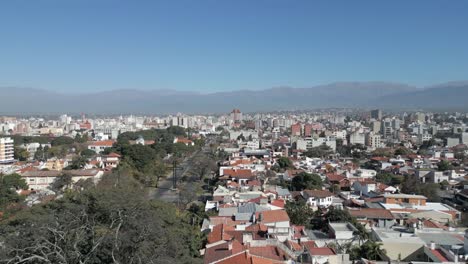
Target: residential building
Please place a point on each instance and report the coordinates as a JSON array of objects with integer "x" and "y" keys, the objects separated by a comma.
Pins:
[
  {"x": 40, "y": 180},
  {"x": 357, "y": 138},
  {"x": 236, "y": 116},
  {"x": 6, "y": 150},
  {"x": 318, "y": 198},
  {"x": 296, "y": 130},
  {"x": 100, "y": 146},
  {"x": 400, "y": 198},
  {"x": 374, "y": 140},
  {"x": 341, "y": 231},
  {"x": 277, "y": 222}
]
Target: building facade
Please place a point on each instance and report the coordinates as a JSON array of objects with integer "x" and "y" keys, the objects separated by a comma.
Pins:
[{"x": 6, "y": 150}]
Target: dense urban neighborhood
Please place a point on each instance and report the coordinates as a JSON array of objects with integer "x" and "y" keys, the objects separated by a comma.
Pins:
[{"x": 325, "y": 186}]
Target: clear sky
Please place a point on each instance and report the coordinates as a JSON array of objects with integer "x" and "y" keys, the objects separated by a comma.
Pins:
[{"x": 219, "y": 45}]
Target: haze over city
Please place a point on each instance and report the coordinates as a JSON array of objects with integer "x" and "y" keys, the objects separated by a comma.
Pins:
[{"x": 233, "y": 132}]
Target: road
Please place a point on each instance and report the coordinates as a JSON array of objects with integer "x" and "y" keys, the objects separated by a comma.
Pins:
[{"x": 164, "y": 191}]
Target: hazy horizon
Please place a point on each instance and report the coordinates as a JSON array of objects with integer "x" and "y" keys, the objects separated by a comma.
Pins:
[
  {"x": 215, "y": 46},
  {"x": 78, "y": 92}
]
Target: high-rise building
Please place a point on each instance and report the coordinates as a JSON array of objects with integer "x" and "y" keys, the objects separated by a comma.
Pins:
[
  {"x": 376, "y": 114},
  {"x": 464, "y": 138},
  {"x": 373, "y": 140},
  {"x": 296, "y": 129},
  {"x": 6, "y": 150},
  {"x": 308, "y": 130},
  {"x": 236, "y": 116}
]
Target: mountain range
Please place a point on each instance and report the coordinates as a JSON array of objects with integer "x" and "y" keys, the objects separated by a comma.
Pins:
[{"x": 453, "y": 95}]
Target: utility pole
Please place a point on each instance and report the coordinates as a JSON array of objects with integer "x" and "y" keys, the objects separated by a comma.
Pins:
[{"x": 174, "y": 171}]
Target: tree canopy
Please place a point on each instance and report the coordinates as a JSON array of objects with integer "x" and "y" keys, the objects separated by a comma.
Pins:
[
  {"x": 320, "y": 151},
  {"x": 304, "y": 181},
  {"x": 284, "y": 163},
  {"x": 110, "y": 223},
  {"x": 9, "y": 185}
]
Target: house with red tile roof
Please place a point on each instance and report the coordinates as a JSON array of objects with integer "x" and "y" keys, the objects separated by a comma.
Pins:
[
  {"x": 277, "y": 221},
  {"x": 241, "y": 176},
  {"x": 338, "y": 179},
  {"x": 318, "y": 255},
  {"x": 221, "y": 250},
  {"x": 373, "y": 216},
  {"x": 99, "y": 146}
]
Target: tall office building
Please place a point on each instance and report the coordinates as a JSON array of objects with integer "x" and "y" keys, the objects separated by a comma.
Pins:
[
  {"x": 236, "y": 116},
  {"x": 6, "y": 150},
  {"x": 376, "y": 114}
]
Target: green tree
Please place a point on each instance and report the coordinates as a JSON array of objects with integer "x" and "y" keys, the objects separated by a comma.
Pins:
[
  {"x": 87, "y": 153},
  {"x": 382, "y": 152},
  {"x": 319, "y": 152},
  {"x": 444, "y": 166},
  {"x": 177, "y": 131},
  {"x": 41, "y": 153},
  {"x": 403, "y": 151},
  {"x": 308, "y": 181},
  {"x": 60, "y": 141},
  {"x": 9, "y": 185},
  {"x": 59, "y": 151},
  {"x": 285, "y": 163},
  {"x": 299, "y": 212},
  {"x": 412, "y": 185},
  {"x": 21, "y": 154},
  {"x": 372, "y": 250},
  {"x": 385, "y": 178},
  {"x": 81, "y": 138},
  {"x": 61, "y": 183},
  {"x": 78, "y": 162}
]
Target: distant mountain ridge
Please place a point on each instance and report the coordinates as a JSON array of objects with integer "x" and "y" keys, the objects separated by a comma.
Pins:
[{"x": 340, "y": 94}]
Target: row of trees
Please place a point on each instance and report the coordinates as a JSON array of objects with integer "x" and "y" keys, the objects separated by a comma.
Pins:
[{"x": 146, "y": 162}]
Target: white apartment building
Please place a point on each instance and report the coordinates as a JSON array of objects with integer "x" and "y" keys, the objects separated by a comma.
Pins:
[
  {"x": 6, "y": 150},
  {"x": 308, "y": 143},
  {"x": 374, "y": 141},
  {"x": 357, "y": 138}
]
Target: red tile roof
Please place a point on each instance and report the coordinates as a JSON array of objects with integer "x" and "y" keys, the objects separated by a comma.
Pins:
[
  {"x": 308, "y": 244},
  {"x": 323, "y": 251},
  {"x": 218, "y": 233},
  {"x": 278, "y": 203},
  {"x": 335, "y": 177},
  {"x": 373, "y": 213},
  {"x": 270, "y": 252},
  {"x": 272, "y": 216},
  {"x": 238, "y": 173},
  {"x": 221, "y": 251},
  {"x": 103, "y": 143}
]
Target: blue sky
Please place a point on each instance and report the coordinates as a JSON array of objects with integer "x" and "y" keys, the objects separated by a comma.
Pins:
[{"x": 86, "y": 45}]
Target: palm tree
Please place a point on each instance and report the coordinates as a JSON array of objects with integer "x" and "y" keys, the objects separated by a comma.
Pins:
[{"x": 371, "y": 250}]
